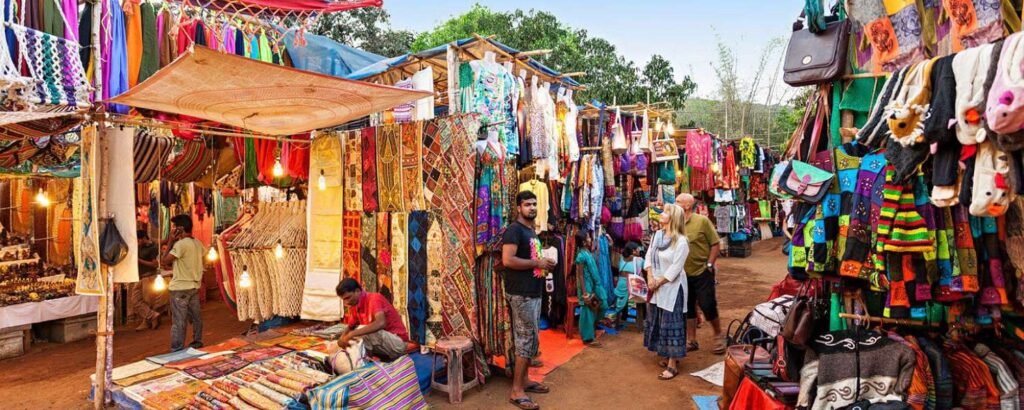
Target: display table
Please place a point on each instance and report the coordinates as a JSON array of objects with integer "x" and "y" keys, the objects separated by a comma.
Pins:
[{"x": 53, "y": 309}]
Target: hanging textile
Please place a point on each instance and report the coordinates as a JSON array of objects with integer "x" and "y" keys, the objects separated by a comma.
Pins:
[
  {"x": 150, "y": 61},
  {"x": 150, "y": 154},
  {"x": 400, "y": 264},
  {"x": 350, "y": 252},
  {"x": 133, "y": 40},
  {"x": 353, "y": 170},
  {"x": 435, "y": 262},
  {"x": 55, "y": 65},
  {"x": 117, "y": 143},
  {"x": 190, "y": 164},
  {"x": 417, "y": 297},
  {"x": 368, "y": 252},
  {"x": 432, "y": 157},
  {"x": 90, "y": 279},
  {"x": 412, "y": 165},
  {"x": 115, "y": 75},
  {"x": 368, "y": 150},
  {"x": 384, "y": 283},
  {"x": 324, "y": 260},
  {"x": 389, "y": 168}
]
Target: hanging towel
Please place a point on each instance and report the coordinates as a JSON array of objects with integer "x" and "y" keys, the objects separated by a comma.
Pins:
[{"x": 150, "y": 60}]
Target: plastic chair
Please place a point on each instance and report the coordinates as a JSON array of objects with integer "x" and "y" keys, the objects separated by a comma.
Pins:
[{"x": 453, "y": 350}]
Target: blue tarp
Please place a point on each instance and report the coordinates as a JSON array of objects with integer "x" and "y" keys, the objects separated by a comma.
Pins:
[
  {"x": 384, "y": 65},
  {"x": 325, "y": 56}
]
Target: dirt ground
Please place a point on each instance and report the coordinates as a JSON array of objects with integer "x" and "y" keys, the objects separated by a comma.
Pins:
[{"x": 619, "y": 375}]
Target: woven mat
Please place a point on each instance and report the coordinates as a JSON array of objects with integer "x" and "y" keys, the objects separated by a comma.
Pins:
[{"x": 258, "y": 96}]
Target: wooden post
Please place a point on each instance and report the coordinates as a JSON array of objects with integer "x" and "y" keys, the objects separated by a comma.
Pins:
[
  {"x": 452, "y": 59},
  {"x": 104, "y": 318}
]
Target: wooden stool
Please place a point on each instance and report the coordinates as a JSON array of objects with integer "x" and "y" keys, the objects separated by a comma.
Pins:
[{"x": 454, "y": 349}]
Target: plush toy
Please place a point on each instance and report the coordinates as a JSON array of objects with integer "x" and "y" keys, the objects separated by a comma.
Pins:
[
  {"x": 1004, "y": 111},
  {"x": 909, "y": 107},
  {"x": 970, "y": 68},
  {"x": 992, "y": 194}
]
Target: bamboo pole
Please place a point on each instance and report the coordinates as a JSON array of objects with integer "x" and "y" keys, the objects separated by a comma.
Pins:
[
  {"x": 104, "y": 320},
  {"x": 888, "y": 321}
]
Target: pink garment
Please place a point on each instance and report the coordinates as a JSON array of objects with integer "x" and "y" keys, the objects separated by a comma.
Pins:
[
  {"x": 698, "y": 149},
  {"x": 1005, "y": 106},
  {"x": 160, "y": 31},
  {"x": 70, "y": 9}
]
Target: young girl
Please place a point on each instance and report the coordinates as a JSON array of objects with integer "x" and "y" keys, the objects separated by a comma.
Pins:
[{"x": 631, "y": 263}]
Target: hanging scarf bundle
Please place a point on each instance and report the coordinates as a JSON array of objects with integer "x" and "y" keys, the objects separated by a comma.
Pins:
[
  {"x": 150, "y": 154},
  {"x": 55, "y": 65},
  {"x": 190, "y": 163}
]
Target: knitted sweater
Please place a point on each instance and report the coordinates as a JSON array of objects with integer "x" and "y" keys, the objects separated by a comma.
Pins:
[{"x": 834, "y": 360}]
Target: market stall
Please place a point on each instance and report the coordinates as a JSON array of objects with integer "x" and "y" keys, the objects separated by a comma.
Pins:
[{"x": 905, "y": 270}]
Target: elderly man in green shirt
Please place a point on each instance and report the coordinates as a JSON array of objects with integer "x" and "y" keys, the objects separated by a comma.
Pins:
[
  {"x": 186, "y": 260},
  {"x": 700, "y": 274}
]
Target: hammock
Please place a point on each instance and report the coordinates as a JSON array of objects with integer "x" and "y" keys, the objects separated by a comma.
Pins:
[{"x": 56, "y": 67}]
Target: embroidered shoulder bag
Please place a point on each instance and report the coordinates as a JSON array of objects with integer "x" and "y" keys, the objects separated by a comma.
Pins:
[{"x": 809, "y": 181}]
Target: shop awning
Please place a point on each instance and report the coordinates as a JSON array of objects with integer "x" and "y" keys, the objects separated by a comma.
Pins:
[
  {"x": 18, "y": 125},
  {"x": 284, "y": 7},
  {"x": 260, "y": 97}
]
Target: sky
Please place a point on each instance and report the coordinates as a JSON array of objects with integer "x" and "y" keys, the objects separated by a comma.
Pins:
[{"x": 682, "y": 31}]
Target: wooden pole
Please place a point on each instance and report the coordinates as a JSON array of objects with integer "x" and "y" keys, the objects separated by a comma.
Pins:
[{"x": 104, "y": 317}]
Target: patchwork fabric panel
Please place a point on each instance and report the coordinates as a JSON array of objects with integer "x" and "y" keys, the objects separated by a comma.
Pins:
[
  {"x": 353, "y": 171},
  {"x": 368, "y": 252},
  {"x": 412, "y": 165},
  {"x": 417, "y": 235},
  {"x": 369, "y": 153},
  {"x": 389, "y": 168},
  {"x": 400, "y": 264},
  {"x": 350, "y": 251}
]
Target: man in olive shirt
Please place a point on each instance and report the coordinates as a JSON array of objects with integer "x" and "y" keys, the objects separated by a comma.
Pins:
[
  {"x": 700, "y": 274},
  {"x": 186, "y": 260}
]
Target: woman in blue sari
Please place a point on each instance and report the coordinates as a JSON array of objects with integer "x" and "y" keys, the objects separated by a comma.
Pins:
[{"x": 587, "y": 286}]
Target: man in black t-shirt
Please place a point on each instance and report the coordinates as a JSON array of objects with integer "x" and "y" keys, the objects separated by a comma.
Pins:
[{"x": 524, "y": 285}]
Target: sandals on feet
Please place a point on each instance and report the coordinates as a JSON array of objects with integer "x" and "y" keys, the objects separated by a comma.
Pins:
[
  {"x": 538, "y": 388},
  {"x": 671, "y": 371},
  {"x": 720, "y": 346},
  {"x": 524, "y": 403}
]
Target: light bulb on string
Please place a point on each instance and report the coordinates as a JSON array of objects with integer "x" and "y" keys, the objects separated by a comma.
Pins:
[
  {"x": 278, "y": 169},
  {"x": 42, "y": 199},
  {"x": 245, "y": 280},
  {"x": 278, "y": 250},
  {"x": 158, "y": 283},
  {"x": 212, "y": 254},
  {"x": 321, "y": 182}
]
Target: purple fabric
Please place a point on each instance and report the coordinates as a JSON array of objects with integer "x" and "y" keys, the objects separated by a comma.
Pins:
[
  {"x": 160, "y": 31},
  {"x": 70, "y": 9}
]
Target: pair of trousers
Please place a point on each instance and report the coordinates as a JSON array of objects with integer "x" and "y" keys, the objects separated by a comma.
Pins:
[
  {"x": 384, "y": 344},
  {"x": 138, "y": 303},
  {"x": 185, "y": 309}
]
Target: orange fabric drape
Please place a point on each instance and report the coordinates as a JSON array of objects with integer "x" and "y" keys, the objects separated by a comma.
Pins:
[{"x": 133, "y": 36}]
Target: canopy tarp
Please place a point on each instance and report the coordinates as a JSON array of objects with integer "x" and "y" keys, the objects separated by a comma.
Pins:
[
  {"x": 18, "y": 125},
  {"x": 260, "y": 97},
  {"x": 473, "y": 46},
  {"x": 325, "y": 56}
]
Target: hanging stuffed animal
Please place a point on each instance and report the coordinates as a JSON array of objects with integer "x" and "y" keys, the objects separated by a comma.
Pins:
[
  {"x": 909, "y": 108},
  {"x": 970, "y": 68},
  {"x": 1004, "y": 111},
  {"x": 992, "y": 194}
]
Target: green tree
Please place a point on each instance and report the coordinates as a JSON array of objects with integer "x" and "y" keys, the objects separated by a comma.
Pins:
[
  {"x": 610, "y": 76},
  {"x": 367, "y": 29}
]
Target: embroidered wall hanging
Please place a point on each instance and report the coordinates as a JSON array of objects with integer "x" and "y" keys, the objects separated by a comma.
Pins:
[
  {"x": 353, "y": 171},
  {"x": 389, "y": 168},
  {"x": 350, "y": 252},
  {"x": 90, "y": 280},
  {"x": 400, "y": 264},
  {"x": 368, "y": 252},
  {"x": 418, "y": 225},
  {"x": 384, "y": 284},
  {"x": 412, "y": 165},
  {"x": 369, "y": 153},
  {"x": 435, "y": 263},
  {"x": 324, "y": 230},
  {"x": 432, "y": 131}
]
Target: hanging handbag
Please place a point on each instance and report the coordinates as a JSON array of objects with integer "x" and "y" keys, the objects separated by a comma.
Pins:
[
  {"x": 665, "y": 150},
  {"x": 798, "y": 327},
  {"x": 619, "y": 144},
  {"x": 617, "y": 228},
  {"x": 640, "y": 164},
  {"x": 805, "y": 181},
  {"x": 645, "y": 134},
  {"x": 666, "y": 173},
  {"x": 113, "y": 249},
  {"x": 815, "y": 58},
  {"x": 775, "y": 185},
  {"x": 800, "y": 179}
]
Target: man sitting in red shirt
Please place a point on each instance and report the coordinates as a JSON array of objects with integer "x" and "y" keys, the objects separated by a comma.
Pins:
[{"x": 372, "y": 318}]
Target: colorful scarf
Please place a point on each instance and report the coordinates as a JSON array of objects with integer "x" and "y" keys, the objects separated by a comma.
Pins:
[
  {"x": 353, "y": 171},
  {"x": 417, "y": 235},
  {"x": 400, "y": 264},
  {"x": 368, "y": 252},
  {"x": 389, "y": 168},
  {"x": 412, "y": 165},
  {"x": 90, "y": 280},
  {"x": 384, "y": 283},
  {"x": 369, "y": 152},
  {"x": 350, "y": 252}
]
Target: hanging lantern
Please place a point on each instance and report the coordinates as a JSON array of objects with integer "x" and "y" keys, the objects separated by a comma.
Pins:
[
  {"x": 158, "y": 284},
  {"x": 245, "y": 280},
  {"x": 212, "y": 254},
  {"x": 278, "y": 169},
  {"x": 278, "y": 250},
  {"x": 42, "y": 199},
  {"x": 321, "y": 182}
]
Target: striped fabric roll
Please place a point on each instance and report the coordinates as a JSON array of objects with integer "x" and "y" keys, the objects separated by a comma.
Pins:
[
  {"x": 190, "y": 164},
  {"x": 150, "y": 152},
  {"x": 377, "y": 386}
]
